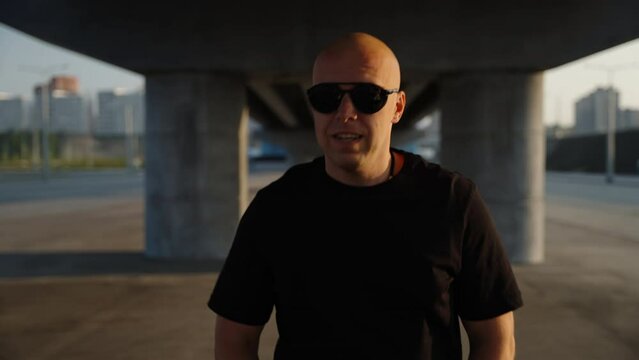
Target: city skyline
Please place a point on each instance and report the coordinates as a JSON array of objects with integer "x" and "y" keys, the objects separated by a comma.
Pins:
[
  {"x": 114, "y": 113},
  {"x": 28, "y": 61}
]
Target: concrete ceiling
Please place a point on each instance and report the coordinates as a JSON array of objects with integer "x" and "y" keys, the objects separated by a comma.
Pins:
[{"x": 273, "y": 43}]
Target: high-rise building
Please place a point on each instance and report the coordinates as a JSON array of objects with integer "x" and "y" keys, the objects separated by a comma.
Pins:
[
  {"x": 628, "y": 119},
  {"x": 593, "y": 111},
  {"x": 119, "y": 112},
  {"x": 68, "y": 114},
  {"x": 65, "y": 83},
  {"x": 12, "y": 115},
  {"x": 62, "y": 105}
]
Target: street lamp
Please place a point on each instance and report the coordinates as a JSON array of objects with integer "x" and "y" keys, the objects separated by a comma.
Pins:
[
  {"x": 612, "y": 114},
  {"x": 128, "y": 133},
  {"x": 46, "y": 72}
]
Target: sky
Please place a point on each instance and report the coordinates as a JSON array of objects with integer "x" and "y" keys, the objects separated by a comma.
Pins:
[
  {"x": 26, "y": 61},
  {"x": 565, "y": 84}
]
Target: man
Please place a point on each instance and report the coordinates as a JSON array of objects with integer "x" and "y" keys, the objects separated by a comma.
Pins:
[{"x": 367, "y": 252}]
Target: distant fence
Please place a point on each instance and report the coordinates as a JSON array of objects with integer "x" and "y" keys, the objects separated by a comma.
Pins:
[{"x": 588, "y": 153}]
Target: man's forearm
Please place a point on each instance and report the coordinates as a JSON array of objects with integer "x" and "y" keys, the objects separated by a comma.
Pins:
[
  {"x": 229, "y": 353},
  {"x": 492, "y": 339},
  {"x": 235, "y": 341},
  {"x": 503, "y": 350}
]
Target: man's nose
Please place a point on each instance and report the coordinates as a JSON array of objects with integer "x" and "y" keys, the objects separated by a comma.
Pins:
[{"x": 346, "y": 110}]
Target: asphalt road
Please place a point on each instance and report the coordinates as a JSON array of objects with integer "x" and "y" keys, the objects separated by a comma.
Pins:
[{"x": 75, "y": 285}]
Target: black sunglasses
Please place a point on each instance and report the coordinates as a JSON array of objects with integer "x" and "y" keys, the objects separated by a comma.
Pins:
[{"x": 367, "y": 98}]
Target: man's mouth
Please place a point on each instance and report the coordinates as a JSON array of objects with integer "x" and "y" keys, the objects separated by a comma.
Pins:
[{"x": 347, "y": 136}]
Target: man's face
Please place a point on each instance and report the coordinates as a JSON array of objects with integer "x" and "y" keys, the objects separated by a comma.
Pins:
[{"x": 353, "y": 140}]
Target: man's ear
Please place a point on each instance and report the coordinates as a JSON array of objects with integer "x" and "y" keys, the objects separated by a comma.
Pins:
[{"x": 400, "y": 105}]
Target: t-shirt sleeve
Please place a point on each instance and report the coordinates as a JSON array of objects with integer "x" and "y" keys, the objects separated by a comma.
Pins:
[
  {"x": 486, "y": 285},
  {"x": 244, "y": 288}
]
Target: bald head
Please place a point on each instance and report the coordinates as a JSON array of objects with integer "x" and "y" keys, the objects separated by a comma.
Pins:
[{"x": 357, "y": 57}]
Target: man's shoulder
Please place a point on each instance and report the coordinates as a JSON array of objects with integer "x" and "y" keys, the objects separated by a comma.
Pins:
[
  {"x": 295, "y": 179},
  {"x": 431, "y": 173}
]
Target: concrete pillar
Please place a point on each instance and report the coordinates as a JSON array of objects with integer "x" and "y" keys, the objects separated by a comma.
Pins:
[
  {"x": 492, "y": 132},
  {"x": 196, "y": 163}
]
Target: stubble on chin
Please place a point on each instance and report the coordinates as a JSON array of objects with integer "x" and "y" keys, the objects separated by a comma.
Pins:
[{"x": 349, "y": 163}]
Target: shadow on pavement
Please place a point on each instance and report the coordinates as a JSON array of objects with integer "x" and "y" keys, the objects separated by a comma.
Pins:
[{"x": 18, "y": 265}]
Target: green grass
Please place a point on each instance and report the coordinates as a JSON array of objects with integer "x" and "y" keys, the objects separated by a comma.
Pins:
[{"x": 76, "y": 164}]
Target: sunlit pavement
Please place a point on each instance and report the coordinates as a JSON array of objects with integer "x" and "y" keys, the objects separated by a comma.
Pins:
[{"x": 75, "y": 285}]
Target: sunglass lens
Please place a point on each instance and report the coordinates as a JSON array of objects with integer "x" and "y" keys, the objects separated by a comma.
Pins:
[
  {"x": 368, "y": 98},
  {"x": 324, "y": 98}
]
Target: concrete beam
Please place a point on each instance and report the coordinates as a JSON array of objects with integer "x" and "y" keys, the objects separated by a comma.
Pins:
[
  {"x": 412, "y": 91},
  {"x": 428, "y": 36},
  {"x": 274, "y": 102},
  {"x": 421, "y": 100}
]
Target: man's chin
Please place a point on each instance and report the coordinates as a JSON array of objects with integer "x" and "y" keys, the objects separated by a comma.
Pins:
[{"x": 347, "y": 161}]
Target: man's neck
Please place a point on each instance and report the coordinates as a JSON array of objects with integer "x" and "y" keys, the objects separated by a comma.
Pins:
[{"x": 375, "y": 173}]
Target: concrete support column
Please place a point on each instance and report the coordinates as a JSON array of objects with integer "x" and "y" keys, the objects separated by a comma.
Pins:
[
  {"x": 492, "y": 132},
  {"x": 196, "y": 163}
]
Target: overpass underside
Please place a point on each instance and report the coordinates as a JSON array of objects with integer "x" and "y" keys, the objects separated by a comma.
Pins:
[{"x": 207, "y": 66}]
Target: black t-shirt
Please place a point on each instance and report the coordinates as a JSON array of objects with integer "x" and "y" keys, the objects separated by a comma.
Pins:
[{"x": 380, "y": 272}]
